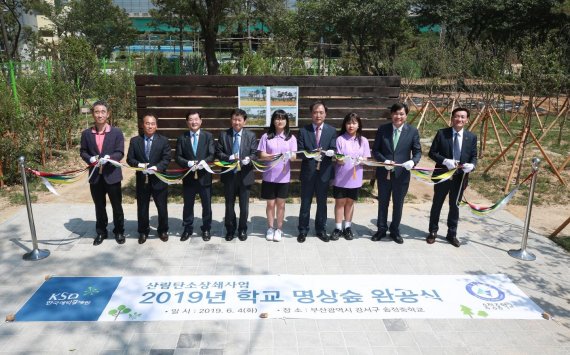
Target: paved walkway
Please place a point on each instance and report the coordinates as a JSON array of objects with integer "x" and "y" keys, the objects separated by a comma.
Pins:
[{"x": 68, "y": 230}]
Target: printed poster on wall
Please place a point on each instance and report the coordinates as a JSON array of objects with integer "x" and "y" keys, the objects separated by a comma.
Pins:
[{"x": 261, "y": 101}]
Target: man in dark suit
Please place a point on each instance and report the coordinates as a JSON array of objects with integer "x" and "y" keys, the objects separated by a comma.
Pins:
[
  {"x": 237, "y": 144},
  {"x": 452, "y": 147},
  {"x": 150, "y": 151},
  {"x": 316, "y": 173},
  {"x": 101, "y": 143},
  {"x": 395, "y": 143},
  {"x": 194, "y": 149}
]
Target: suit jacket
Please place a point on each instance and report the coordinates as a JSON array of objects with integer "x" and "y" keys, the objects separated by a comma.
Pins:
[
  {"x": 113, "y": 146},
  {"x": 409, "y": 148},
  {"x": 442, "y": 148},
  {"x": 206, "y": 151},
  {"x": 308, "y": 141},
  {"x": 248, "y": 148},
  {"x": 159, "y": 157}
]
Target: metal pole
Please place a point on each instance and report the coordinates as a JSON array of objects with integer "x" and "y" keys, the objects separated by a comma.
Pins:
[
  {"x": 522, "y": 253},
  {"x": 35, "y": 254}
]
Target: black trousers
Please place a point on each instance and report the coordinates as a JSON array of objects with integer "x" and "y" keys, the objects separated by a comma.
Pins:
[
  {"x": 98, "y": 193},
  {"x": 160, "y": 197},
  {"x": 205, "y": 192},
  {"x": 233, "y": 188},
  {"x": 396, "y": 190},
  {"x": 453, "y": 189},
  {"x": 310, "y": 187}
]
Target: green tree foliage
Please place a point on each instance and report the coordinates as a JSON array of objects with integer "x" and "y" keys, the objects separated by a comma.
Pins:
[
  {"x": 175, "y": 13},
  {"x": 104, "y": 25},
  {"x": 78, "y": 65}
]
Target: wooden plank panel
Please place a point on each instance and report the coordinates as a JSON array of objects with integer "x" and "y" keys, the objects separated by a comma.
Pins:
[
  {"x": 312, "y": 92},
  {"x": 198, "y": 102},
  {"x": 173, "y": 134},
  {"x": 225, "y": 113},
  {"x": 180, "y": 123},
  {"x": 237, "y": 80}
]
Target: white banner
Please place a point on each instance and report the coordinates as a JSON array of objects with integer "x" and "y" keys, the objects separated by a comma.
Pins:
[{"x": 318, "y": 297}]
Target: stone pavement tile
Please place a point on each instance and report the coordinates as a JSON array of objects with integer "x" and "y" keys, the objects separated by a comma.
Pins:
[
  {"x": 189, "y": 340},
  {"x": 348, "y": 325},
  {"x": 238, "y": 325},
  {"x": 261, "y": 351},
  {"x": 284, "y": 340},
  {"x": 426, "y": 340},
  {"x": 355, "y": 339},
  {"x": 455, "y": 350},
  {"x": 395, "y": 325},
  {"x": 418, "y": 325},
  {"x": 440, "y": 325},
  {"x": 306, "y": 325},
  {"x": 450, "y": 339},
  {"x": 260, "y": 338},
  {"x": 23, "y": 343},
  {"x": 359, "y": 351},
  {"x": 180, "y": 351},
  {"x": 161, "y": 352},
  {"x": 384, "y": 351},
  {"x": 113, "y": 352},
  {"x": 308, "y": 340},
  {"x": 312, "y": 351},
  {"x": 402, "y": 339},
  {"x": 379, "y": 338},
  {"x": 282, "y": 325},
  {"x": 432, "y": 351},
  {"x": 213, "y": 340},
  {"x": 165, "y": 341},
  {"x": 408, "y": 350},
  {"x": 213, "y": 352},
  {"x": 332, "y": 339},
  {"x": 335, "y": 351},
  {"x": 286, "y": 351},
  {"x": 213, "y": 325},
  {"x": 117, "y": 341},
  {"x": 329, "y": 324}
]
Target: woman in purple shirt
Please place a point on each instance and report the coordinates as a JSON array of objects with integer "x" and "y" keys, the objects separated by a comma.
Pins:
[
  {"x": 348, "y": 173},
  {"x": 275, "y": 184}
]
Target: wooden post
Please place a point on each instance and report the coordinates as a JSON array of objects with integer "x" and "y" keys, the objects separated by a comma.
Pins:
[{"x": 560, "y": 228}]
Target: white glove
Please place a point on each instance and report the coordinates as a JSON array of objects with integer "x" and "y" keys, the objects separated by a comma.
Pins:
[
  {"x": 93, "y": 159},
  {"x": 408, "y": 165},
  {"x": 388, "y": 167},
  {"x": 233, "y": 157},
  {"x": 191, "y": 163},
  {"x": 449, "y": 164},
  {"x": 151, "y": 170},
  {"x": 318, "y": 157},
  {"x": 201, "y": 164},
  {"x": 287, "y": 156},
  {"x": 360, "y": 160},
  {"x": 142, "y": 165},
  {"x": 329, "y": 153},
  {"x": 245, "y": 161},
  {"x": 467, "y": 168},
  {"x": 104, "y": 160}
]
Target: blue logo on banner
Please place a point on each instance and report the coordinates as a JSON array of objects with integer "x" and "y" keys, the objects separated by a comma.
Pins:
[
  {"x": 485, "y": 292},
  {"x": 69, "y": 299}
]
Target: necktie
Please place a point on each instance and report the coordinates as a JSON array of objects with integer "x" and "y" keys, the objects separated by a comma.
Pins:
[
  {"x": 318, "y": 135},
  {"x": 396, "y": 138},
  {"x": 456, "y": 149},
  {"x": 148, "y": 143},
  {"x": 194, "y": 143},
  {"x": 235, "y": 148}
]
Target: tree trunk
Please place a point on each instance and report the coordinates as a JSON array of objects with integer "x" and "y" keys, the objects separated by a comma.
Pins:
[
  {"x": 1, "y": 174},
  {"x": 210, "y": 36}
]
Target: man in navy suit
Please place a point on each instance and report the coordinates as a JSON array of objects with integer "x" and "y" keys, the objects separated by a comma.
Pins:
[
  {"x": 101, "y": 143},
  {"x": 150, "y": 151},
  {"x": 452, "y": 147},
  {"x": 194, "y": 149},
  {"x": 316, "y": 173},
  {"x": 237, "y": 144},
  {"x": 395, "y": 143}
]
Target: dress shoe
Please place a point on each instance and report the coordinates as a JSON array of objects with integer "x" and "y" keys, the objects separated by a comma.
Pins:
[
  {"x": 99, "y": 239},
  {"x": 336, "y": 234},
  {"x": 229, "y": 237},
  {"x": 163, "y": 236},
  {"x": 453, "y": 241},
  {"x": 142, "y": 238},
  {"x": 120, "y": 238},
  {"x": 242, "y": 235},
  {"x": 302, "y": 237},
  {"x": 206, "y": 235},
  {"x": 348, "y": 234},
  {"x": 323, "y": 236},
  {"x": 431, "y": 237},
  {"x": 378, "y": 236},
  {"x": 397, "y": 238},
  {"x": 185, "y": 236}
]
